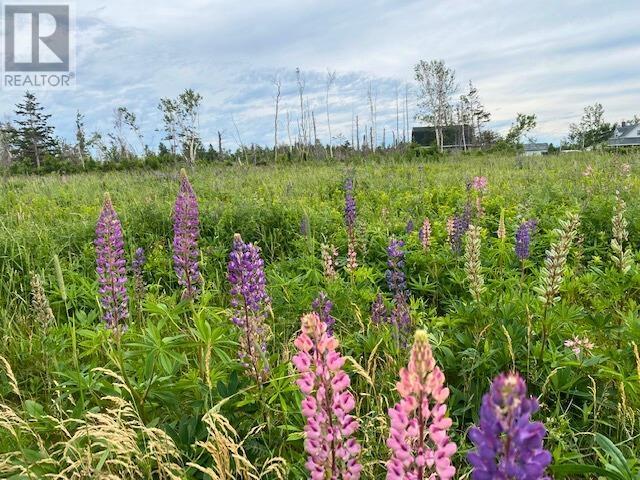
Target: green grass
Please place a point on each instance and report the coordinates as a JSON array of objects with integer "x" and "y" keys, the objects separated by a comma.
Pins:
[{"x": 177, "y": 361}]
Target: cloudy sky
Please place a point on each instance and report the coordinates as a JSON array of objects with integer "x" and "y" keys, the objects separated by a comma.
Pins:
[{"x": 550, "y": 58}]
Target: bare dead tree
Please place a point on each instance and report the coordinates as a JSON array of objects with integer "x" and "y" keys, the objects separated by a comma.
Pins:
[
  {"x": 395, "y": 137},
  {"x": 372, "y": 97},
  {"x": 406, "y": 113},
  {"x": 278, "y": 84},
  {"x": 240, "y": 142},
  {"x": 357, "y": 134},
  {"x": 301, "y": 86},
  {"x": 219, "y": 143},
  {"x": 289, "y": 132},
  {"x": 331, "y": 78}
]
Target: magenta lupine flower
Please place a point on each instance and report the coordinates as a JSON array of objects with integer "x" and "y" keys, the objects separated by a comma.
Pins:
[
  {"x": 329, "y": 431},
  {"x": 523, "y": 239},
  {"x": 350, "y": 222},
  {"x": 425, "y": 234},
  {"x": 379, "y": 313},
  {"x": 249, "y": 299},
  {"x": 323, "y": 306},
  {"x": 418, "y": 438},
  {"x": 480, "y": 183},
  {"x": 111, "y": 267},
  {"x": 508, "y": 444},
  {"x": 186, "y": 231},
  {"x": 137, "y": 266}
]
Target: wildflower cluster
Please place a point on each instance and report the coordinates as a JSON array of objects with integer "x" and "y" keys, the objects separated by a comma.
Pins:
[
  {"x": 329, "y": 255},
  {"x": 350, "y": 222},
  {"x": 425, "y": 234},
  {"x": 322, "y": 306}
]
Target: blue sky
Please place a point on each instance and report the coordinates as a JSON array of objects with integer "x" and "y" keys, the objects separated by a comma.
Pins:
[{"x": 545, "y": 57}]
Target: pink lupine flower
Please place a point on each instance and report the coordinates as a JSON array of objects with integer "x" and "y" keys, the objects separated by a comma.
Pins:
[
  {"x": 329, "y": 431},
  {"x": 451, "y": 228},
  {"x": 425, "y": 234},
  {"x": 418, "y": 438},
  {"x": 577, "y": 345},
  {"x": 480, "y": 183}
]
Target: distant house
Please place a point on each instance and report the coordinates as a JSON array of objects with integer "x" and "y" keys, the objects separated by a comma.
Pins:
[
  {"x": 531, "y": 148},
  {"x": 625, "y": 135},
  {"x": 453, "y": 136}
]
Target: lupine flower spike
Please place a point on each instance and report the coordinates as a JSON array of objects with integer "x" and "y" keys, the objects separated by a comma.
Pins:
[
  {"x": 329, "y": 431},
  {"x": 397, "y": 283},
  {"x": 323, "y": 306},
  {"x": 249, "y": 299},
  {"x": 186, "y": 231},
  {"x": 472, "y": 263},
  {"x": 621, "y": 255},
  {"x": 425, "y": 234},
  {"x": 508, "y": 445},
  {"x": 502, "y": 230},
  {"x": 329, "y": 256},
  {"x": 40, "y": 302},
  {"x": 350, "y": 222},
  {"x": 523, "y": 239},
  {"x": 379, "y": 312},
  {"x": 111, "y": 267},
  {"x": 418, "y": 438},
  {"x": 137, "y": 268}
]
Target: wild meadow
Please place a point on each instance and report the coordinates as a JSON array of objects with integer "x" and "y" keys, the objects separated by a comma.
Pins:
[{"x": 324, "y": 320}]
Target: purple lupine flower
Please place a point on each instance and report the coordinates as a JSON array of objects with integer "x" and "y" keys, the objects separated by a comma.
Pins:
[
  {"x": 396, "y": 280},
  {"x": 186, "y": 231},
  {"x": 460, "y": 226},
  {"x": 523, "y": 238},
  {"x": 323, "y": 306},
  {"x": 379, "y": 312},
  {"x": 508, "y": 445},
  {"x": 111, "y": 267},
  {"x": 409, "y": 228},
  {"x": 349, "y": 205},
  {"x": 249, "y": 299},
  {"x": 137, "y": 266},
  {"x": 304, "y": 226}
]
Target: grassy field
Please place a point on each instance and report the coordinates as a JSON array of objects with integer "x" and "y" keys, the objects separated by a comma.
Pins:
[{"x": 169, "y": 398}]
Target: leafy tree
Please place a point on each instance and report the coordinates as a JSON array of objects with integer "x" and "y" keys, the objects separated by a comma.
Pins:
[
  {"x": 479, "y": 115},
  {"x": 181, "y": 118},
  {"x": 81, "y": 140},
  {"x": 523, "y": 125},
  {"x": 34, "y": 137},
  {"x": 592, "y": 129},
  {"x": 437, "y": 84}
]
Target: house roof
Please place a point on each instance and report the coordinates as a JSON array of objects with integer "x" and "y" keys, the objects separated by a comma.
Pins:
[
  {"x": 536, "y": 147},
  {"x": 621, "y": 131},
  {"x": 631, "y": 141}
]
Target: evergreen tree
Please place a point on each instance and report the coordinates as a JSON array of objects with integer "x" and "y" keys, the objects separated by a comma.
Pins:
[{"x": 33, "y": 135}]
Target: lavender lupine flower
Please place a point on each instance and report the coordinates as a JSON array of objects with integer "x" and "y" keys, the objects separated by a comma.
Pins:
[
  {"x": 523, "y": 238},
  {"x": 425, "y": 234},
  {"x": 111, "y": 267},
  {"x": 409, "y": 228},
  {"x": 323, "y": 306},
  {"x": 396, "y": 279},
  {"x": 329, "y": 431},
  {"x": 350, "y": 221},
  {"x": 460, "y": 226},
  {"x": 379, "y": 313},
  {"x": 249, "y": 299},
  {"x": 186, "y": 231},
  {"x": 508, "y": 445},
  {"x": 136, "y": 267},
  {"x": 418, "y": 438},
  {"x": 304, "y": 226}
]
